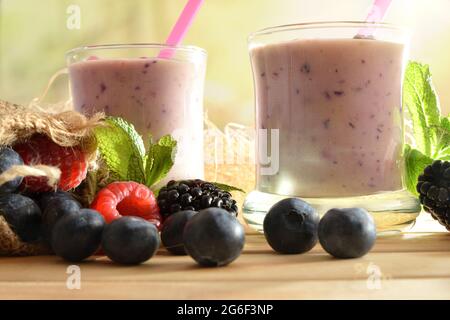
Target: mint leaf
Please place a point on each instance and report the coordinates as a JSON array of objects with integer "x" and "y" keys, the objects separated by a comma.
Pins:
[
  {"x": 122, "y": 149},
  {"x": 415, "y": 162},
  {"x": 226, "y": 187},
  {"x": 431, "y": 131},
  {"x": 420, "y": 99},
  {"x": 443, "y": 138},
  {"x": 159, "y": 159}
]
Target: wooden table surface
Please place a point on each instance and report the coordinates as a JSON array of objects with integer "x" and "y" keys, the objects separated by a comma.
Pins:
[{"x": 403, "y": 266}]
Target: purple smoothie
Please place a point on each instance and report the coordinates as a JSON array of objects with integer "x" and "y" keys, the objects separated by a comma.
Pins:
[
  {"x": 158, "y": 96},
  {"x": 336, "y": 103}
]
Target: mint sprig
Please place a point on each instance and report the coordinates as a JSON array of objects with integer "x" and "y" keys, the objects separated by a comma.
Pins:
[
  {"x": 431, "y": 130},
  {"x": 122, "y": 150}
]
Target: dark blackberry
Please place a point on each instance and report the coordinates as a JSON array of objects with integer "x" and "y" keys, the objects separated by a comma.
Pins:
[
  {"x": 183, "y": 188},
  {"x": 206, "y": 201},
  {"x": 434, "y": 191},
  {"x": 186, "y": 199},
  {"x": 172, "y": 195},
  {"x": 196, "y": 192},
  {"x": 194, "y": 195}
]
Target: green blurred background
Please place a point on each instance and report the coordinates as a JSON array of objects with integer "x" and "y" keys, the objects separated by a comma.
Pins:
[{"x": 34, "y": 38}]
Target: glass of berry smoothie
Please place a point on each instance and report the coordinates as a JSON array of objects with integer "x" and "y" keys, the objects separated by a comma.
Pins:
[
  {"x": 159, "y": 96},
  {"x": 329, "y": 119}
]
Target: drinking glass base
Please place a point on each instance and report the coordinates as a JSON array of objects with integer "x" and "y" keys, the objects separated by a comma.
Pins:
[{"x": 393, "y": 211}]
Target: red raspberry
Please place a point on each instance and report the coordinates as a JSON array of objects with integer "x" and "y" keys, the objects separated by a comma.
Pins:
[
  {"x": 127, "y": 198},
  {"x": 40, "y": 150}
]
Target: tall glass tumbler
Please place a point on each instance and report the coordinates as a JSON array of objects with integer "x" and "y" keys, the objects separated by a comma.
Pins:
[
  {"x": 329, "y": 109},
  {"x": 159, "y": 96}
]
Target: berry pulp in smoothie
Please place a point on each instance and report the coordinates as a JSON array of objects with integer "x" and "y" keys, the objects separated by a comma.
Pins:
[
  {"x": 337, "y": 105},
  {"x": 158, "y": 96}
]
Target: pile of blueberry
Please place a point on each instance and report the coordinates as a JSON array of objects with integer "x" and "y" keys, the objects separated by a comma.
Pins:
[
  {"x": 292, "y": 226},
  {"x": 200, "y": 220},
  {"x": 212, "y": 236},
  {"x": 20, "y": 212},
  {"x": 57, "y": 219}
]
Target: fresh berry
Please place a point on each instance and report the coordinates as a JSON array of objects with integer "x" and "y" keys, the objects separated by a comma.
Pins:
[
  {"x": 172, "y": 231},
  {"x": 194, "y": 195},
  {"x": 127, "y": 199},
  {"x": 347, "y": 233},
  {"x": 23, "y": 216},
  {"x": 9, "y": 158},
  {"x": 76, "y": 237},
  {"x": 40, "y": 150},
  {"x": 291, "y": 225},
  {"x": 56, "y": 209},
  {"x": 213, "y": 237},
  {"x": 130, "y": 240},
  {"x": 44, "y": 198},
  {"x": 434, "y": 191}
]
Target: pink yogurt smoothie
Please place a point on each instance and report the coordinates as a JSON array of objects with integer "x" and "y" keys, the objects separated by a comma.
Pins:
[
  {"x": 158, "y": 96},
  {"x": 337, "y": 105}
]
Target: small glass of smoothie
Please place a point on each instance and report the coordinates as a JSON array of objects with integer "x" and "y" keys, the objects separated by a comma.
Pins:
[
  {"x": 159, "y": 96},
  {"x": 329, "y": 119}
]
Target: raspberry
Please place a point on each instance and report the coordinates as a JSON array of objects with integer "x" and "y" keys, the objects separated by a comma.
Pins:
[
  {"x": 127, "y": 198},
  {"x": 40, "y": 150}
]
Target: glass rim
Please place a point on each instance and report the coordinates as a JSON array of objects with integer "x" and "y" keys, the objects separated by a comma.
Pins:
[
  {"x": 183, "y": 48},
  {"x": 324, "y": 25}
]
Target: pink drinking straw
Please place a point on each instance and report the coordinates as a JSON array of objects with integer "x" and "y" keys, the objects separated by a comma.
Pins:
[
  {"x": 181, "y": 27},
  {"x": 376, "y": 14}
]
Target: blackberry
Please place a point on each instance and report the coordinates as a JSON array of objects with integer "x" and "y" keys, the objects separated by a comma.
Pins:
[
  {"x": 194, "y": 195},
  {"x": 434, "y": 191}
]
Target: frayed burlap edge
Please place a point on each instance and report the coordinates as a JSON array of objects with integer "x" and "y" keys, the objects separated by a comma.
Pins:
[
  {"x": 11, "y": 245},
  {"x": 68, "y": 129}
]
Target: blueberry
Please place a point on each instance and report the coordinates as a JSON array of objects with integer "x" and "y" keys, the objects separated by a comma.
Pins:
[
  {"x": 9, "y": 158},
  {"x": 172, "y": 231},
  {"x": 213, "y": 237},
  {"x": 45, "y": 198},
  {"x": 130, "y": 240},
  {"x": 76, "y": 237},
  {"x": 23, "y": 215},
  {"x": 347, "y": 233},
  {"x": 54, "y": 210},
  {"x": 291, "y": 225}
]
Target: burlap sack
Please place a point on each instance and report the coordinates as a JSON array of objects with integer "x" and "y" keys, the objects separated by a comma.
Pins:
[{"x": 68, "y": 129}]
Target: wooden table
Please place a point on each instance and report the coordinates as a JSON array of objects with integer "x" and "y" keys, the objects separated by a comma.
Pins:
[{"x": 408, "y": 266}]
